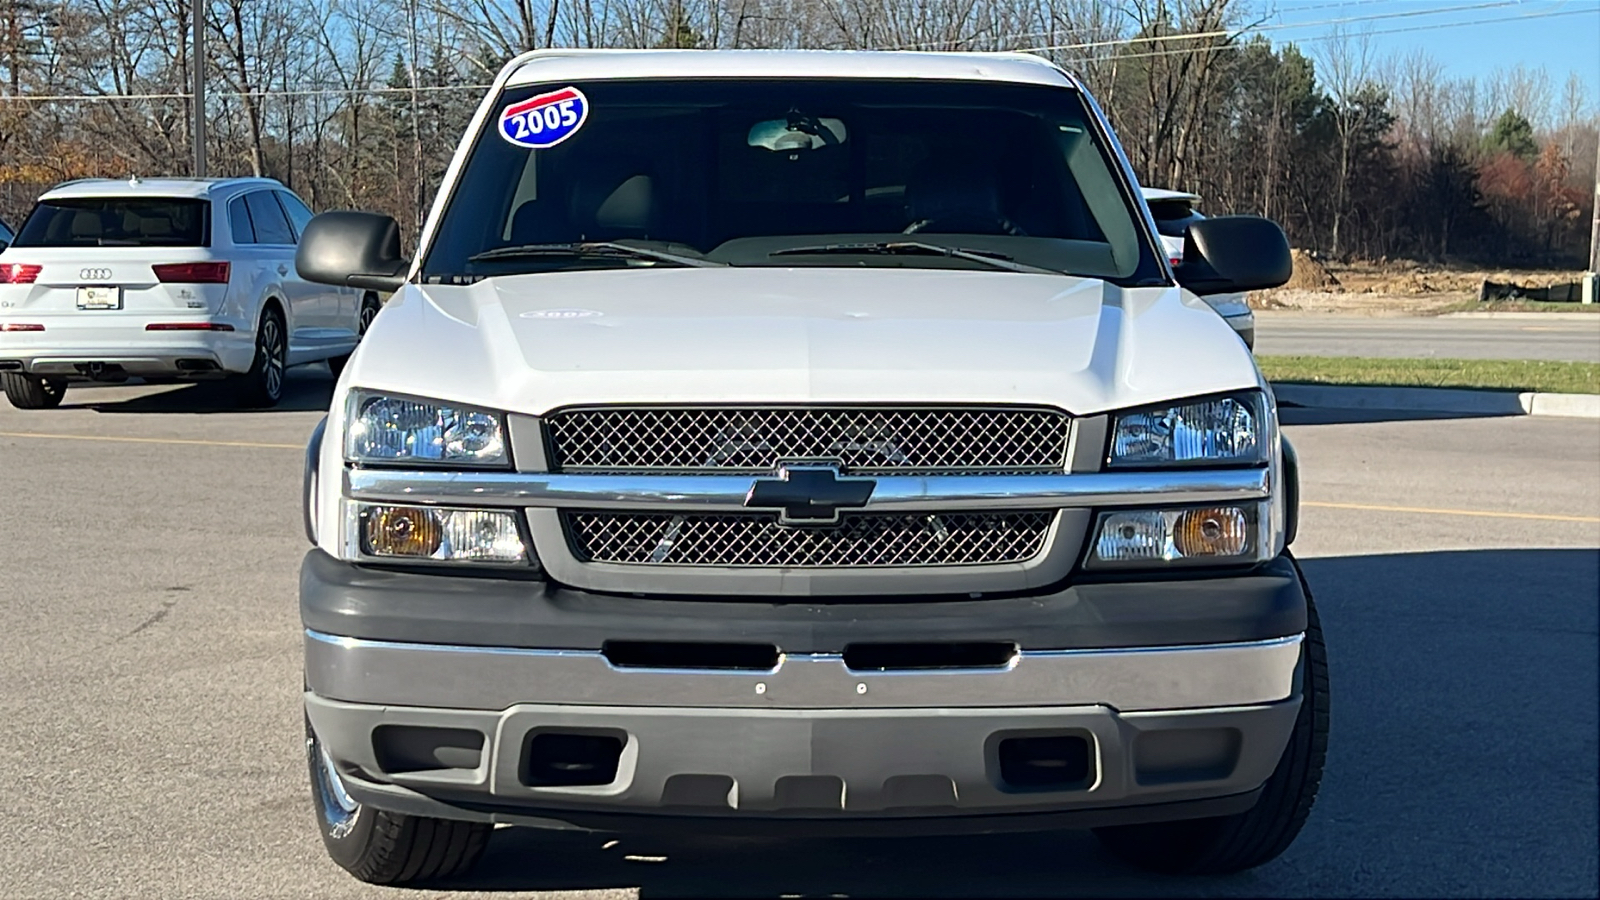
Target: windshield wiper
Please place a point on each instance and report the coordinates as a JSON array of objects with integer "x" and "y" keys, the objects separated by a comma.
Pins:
[
  {"x": 918, "y": 248},
  {"x": 591, "y": 249}
]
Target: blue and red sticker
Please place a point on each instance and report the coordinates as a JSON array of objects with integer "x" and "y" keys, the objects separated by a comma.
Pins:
[{"x": 545, "y": 120}]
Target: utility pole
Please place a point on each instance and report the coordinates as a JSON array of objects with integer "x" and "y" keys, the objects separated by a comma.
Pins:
[
  {"x": 1591, "y": 281},
  {"x": 199, "y": 43}
]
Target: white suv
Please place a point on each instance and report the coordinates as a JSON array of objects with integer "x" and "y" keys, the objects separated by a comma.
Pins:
[
  {"x": 1174, "y": 212},
  {"x": 166, "y": 279}
]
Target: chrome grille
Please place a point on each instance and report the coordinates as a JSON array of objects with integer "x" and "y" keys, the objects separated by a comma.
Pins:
[
  {"x": 757, "y": 540},
  {"x": 864, "y": 440}
]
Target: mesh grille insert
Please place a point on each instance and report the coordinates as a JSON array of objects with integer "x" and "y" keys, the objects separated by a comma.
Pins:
[
  {"x": 757, "y": 540},
  {"x": 863, "y": 440}
]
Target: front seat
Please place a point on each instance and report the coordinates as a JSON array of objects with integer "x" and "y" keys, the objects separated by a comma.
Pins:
[{"x": 949, "y": 196}]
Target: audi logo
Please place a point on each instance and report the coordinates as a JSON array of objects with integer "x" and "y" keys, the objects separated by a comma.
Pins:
[{"x": 95, "y": 274}]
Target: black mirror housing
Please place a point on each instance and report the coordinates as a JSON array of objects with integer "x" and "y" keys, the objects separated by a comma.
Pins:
[
  {"x": 352, "y": 249},
  {"x": 1234, "y": 253}
]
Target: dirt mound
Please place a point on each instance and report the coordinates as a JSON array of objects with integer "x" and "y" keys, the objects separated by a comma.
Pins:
[{"x": 1309, "y": 274}]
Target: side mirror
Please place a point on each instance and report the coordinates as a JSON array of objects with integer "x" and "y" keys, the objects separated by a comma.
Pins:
[
  {"x": 352, "y": 249},
  {"x": 1234, "y": 253}
]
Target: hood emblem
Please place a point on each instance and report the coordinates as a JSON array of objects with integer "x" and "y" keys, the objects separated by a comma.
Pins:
[
  {"x": 562, "y": 314},
  {"x": 809, "y": 493}
]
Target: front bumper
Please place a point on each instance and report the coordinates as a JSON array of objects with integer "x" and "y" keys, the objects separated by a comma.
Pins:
[
  {"x": 427, "y": 691},
  {"x": 824, "y": 766}
]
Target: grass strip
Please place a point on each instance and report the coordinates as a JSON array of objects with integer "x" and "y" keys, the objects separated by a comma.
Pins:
[{"x": 1490, "y": 374}]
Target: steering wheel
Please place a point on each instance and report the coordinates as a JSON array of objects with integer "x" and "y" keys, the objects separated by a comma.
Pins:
[{"x": 966, "y": 223}]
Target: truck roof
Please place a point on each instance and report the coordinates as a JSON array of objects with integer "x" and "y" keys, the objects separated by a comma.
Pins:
[
  {"x": 1151, "y": 193},
  {"x": 543, "y": 66},
  {"x": 149, "y": 187}
]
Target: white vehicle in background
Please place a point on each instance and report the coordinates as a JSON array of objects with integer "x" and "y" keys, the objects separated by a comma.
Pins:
[
  {"x": 166, "y": 279},
  {"x": 1174, "y": 212}
]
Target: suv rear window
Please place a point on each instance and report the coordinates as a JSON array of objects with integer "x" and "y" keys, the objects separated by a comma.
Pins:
[
  {"x": 1173, "y": 217},
  {"x": 118, "y": 222}
]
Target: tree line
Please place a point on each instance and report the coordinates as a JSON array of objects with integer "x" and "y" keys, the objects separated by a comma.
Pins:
[{"x": 360, "y": 103}]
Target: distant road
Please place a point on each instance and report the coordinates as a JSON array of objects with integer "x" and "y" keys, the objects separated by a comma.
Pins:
[{"x": 1561, "y": 336}]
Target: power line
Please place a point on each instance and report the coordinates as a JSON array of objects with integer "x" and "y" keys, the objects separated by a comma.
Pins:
[
  {"x": 1178, "y": 51},
  {"x": 1175, "y": 51}
]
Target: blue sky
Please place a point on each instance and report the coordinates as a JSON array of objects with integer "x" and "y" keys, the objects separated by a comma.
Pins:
[{"x": 1469, "y": 37}]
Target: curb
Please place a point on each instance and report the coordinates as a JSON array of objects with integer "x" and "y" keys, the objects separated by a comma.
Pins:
[
  {"x": 1524, "y": 316},
  {"x": 1488, "y": 403}
]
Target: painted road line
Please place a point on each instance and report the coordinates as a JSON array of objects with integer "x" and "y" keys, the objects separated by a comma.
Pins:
[
  {"x": 1482, "y": 513},
  {"x": 144, "y": 440}
]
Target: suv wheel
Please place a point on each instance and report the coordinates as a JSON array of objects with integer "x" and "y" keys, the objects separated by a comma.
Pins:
[
  {"x": 381, "y": 847},
  {"x": 369, "y": 311},
  {"x": 1234, "y": 843},
  {"x": 33, "y": 391},
  {"x": 262, "y": 386}
]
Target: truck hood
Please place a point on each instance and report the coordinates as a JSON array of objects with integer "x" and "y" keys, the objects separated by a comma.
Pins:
[{"x": 533, "y": 343}]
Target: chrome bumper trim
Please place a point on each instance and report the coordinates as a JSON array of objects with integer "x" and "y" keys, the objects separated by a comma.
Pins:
[
  {"x": 727, "y": 493},
  {"x": 493, "y": 678}
]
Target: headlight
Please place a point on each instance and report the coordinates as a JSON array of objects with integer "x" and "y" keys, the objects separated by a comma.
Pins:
[
  {"x": 1218, "y": 430},
  {"x": 1210, "y": 534},
  {"x": 436, "y": 534},
  {"x": 401, "y": 429}
]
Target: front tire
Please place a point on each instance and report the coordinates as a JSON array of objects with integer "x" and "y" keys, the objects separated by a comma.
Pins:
[
  {"x": 381, "y": 847},
  {"x": 262, "y": 386},
  {"x": 1227, "y": 844},
  {"x": 33, "y": 391}
]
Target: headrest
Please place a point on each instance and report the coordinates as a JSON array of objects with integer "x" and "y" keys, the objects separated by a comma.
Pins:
[
  {"x": 940, "y": 188},
  {"x": 86, "y": 223}
]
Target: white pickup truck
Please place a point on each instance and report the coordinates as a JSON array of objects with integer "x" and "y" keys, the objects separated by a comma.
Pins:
[{"x": 794, "y": 442}]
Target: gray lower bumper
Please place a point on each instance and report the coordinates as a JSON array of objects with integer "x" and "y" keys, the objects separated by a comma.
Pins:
[
  {"x": 817, "y": 741},
  {"x": 832, "y": 764}
]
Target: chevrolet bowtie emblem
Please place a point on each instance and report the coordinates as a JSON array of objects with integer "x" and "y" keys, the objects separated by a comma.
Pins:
[{"x": 809, "y": 494}]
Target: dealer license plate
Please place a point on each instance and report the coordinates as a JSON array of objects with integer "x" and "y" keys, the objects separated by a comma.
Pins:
[{"x": 99, "y": 298}]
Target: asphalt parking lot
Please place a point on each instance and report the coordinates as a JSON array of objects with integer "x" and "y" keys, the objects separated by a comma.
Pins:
[{"x": 150, "y": 647}]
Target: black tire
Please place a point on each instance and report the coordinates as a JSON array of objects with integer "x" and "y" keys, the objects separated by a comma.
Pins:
[
  {"x": 262, "y": 386},
  {"x": 381, "y": 847},
  {"x": 369, "y": 311},
  {"x": 1227, "y": 844},
  {"x": 33, "y": 391}
]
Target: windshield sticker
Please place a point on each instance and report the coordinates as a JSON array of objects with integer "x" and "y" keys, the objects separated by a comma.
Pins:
[{"x": 545, "y": 120}]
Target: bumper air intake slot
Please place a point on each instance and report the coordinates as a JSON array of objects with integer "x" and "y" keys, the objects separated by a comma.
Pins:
[
  {"x": 415, "y": 748},
  {"x": 570, "y": 759},
  {"x": 690, "y": 655},
  {"x": 10, "y": 365},
  {"x": 943, "y": 655},
  {"x": 1056, "y": 762}
]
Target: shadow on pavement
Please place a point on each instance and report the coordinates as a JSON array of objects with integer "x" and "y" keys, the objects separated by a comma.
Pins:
[
  {"x": 307, "y": 388},
  {"x": 1462, "y": 761},
  {"x": 1289, "y": 414}
]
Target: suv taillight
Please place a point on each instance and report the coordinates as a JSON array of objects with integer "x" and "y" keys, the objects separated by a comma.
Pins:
[
  {"x": 192, "y": 273},
  {"x": 18, "y": 273}
]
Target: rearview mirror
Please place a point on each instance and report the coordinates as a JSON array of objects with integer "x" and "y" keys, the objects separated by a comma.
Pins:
[
  {"x": 796, "y": 133},
  {"x": 1229, "y": 254},
  {"x": 352, "y": 249}
]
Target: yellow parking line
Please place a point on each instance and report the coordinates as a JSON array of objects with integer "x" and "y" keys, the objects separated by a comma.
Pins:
[
  {"x": 143, "y": 440},
  {"x": 1454, "y": 512}
]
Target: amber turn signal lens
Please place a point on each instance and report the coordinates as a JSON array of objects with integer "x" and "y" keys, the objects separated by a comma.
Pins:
[
  {"x": 403, "y": 531},
  {"x": 1214, "y": 531}
]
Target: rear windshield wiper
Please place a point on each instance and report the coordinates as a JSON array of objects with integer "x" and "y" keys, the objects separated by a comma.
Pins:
[
  {"x": 590, "y": 249},
  {"x": 918, "y": 248}
]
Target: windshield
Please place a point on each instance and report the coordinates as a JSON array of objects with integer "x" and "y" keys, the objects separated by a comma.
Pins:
[
  {"x": 117, "y": 222},
  {"x": 790, "y": 173}
]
